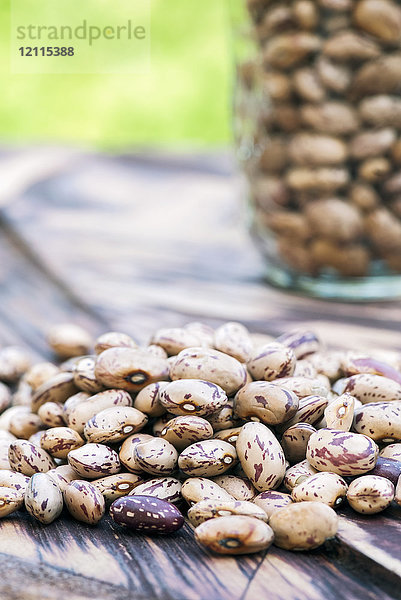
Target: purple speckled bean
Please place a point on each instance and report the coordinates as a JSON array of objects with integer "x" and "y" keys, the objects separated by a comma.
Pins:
[
  {"x": 207, "y": 458},
  {"x": 28, "y": 459},
  {"x": 265, "y": 402},
  {"x": 192, "y": 396},
  {"x": 271, "y": 362},
  {"x": 341, "y": 452},
  {"x": 156, "y": 456},
  {"x": 84, "y": 501},
  {"x": 43, "y": 498},
  {"x": 381, "y": 421},
  {"x": 146, "y": 514},
  {"x": 94, "y": 460},
  {"x": 261, "y": 456},
  {"x": 164, "y": 488}
]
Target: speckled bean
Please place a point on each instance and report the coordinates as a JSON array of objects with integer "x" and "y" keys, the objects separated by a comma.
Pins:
[
  {"x": 182, "y": 431},
  {"x": 381, "y": 421},
  {"x": 328, "y": 488},
  {"x": 370, "y": 494},
  {"x": 58, "y": 441},
  {"x": 210, "y": 509},
  {"x": 271, "y": 501},
  {"x": 146, "y": 514},
  {"x": 271, "y": 362},
  {"x": 196, "y": 489},
  {"x": 372, "y": 388},
  {"x": 127, "y": 452},
  {"x": 87, "y": 408},
  {"x": 84, "y": 375},
  {"x": 340, "y": 412},
  {"x": 210, "y": 365},
  {"x": 57, "y": 389},
  {"x": 164, "y": 488},
  {"x": 10, "y": 500},
  {"x": 28, "y": 459},
  {"x": 233, "y": 339},
  {"x": 94, "y": 460},
  {"x": 43, "y": 498},
  {"x": 193, "y": 396},
  {"x": 207, "y": 458},
  {"x": 266, "y": 402},
  {"x": 297, "y": 473},
  {"x": 116, "y": 486},
  {"x": 238, "y": 487},
  {"x": 148, "y": 399},
  {"x": 113, "y": 339},
  {"x": 114, "y": 424},
  {"x": 156, "y": 456},
  {"x": 341, "y": 452},
  {"x": 295, "y": 440},
  {"x": 261, "y": 456},
  {"x": 84, "y": 501}
]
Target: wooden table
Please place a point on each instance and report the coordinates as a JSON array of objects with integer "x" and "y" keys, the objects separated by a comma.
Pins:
[{"x": 132, "y": 243}]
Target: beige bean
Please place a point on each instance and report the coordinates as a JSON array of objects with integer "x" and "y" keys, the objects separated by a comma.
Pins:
[
  {"x": 87, "y": 408},
  {"x": 369, "y": 144},
  {"x": 233, "y": 339},
  {"x": 28, "y": 458},
  {"x": 21, "y": 397},
  {"x": 270, "y": 501},
  {"x": 58, "y": 441},
  {"x": 129, "y": 369},
  {"x": 236, "y": 534},
  {"x": 266, "y": 402},
  {"x": 370, "y": 494},
  {"x": 43, "y": 498},
  {"x": 331, "y": 118},
  {"x": 328, "y": 488},
  {"x": 148, "y": 399},
  {"x": 374, "y": 170},
  {"x": 116, "y": 486},
  {"x": 207, "y": 458},
  {"x": 211, "y": 509},
  {"x": 185, "y": 430},
  {"x": 380, "y": 18},
  {"x": 14, "y": 362},
  {"x": 164, "y": 488},
  {"x": 69, "y": 339},
  {"x": 336, "y": 77},
  {"x": 309, "y": 88},
  {"x": 384, "y": 230},
  {"x": 287, "y": 50},
  {"x": 288, "y": 223},
  {"x": 204, "y": 332},
  {"x": 349, "y": 46},
  {"x": 341, "y": 452},
  {"x": 156, "y": 350},
  {"x": 273, "y": 159},
  {"x": 276, "y": 85},
  {"x": 303, "y": 525},
  {"x": 193, "y": 396},
  {"x": 196, "y": 489},
  {"x": 40, "y": 373},
  {"x": 310, "y": 149},
  {"x": 323, "y": 179},
  {"x": 306, "y": 14},
  {"x": 379, "y": 76},
  {"x": 295, "y": 440},
  {"x": 84, "y": 501},
  {"x": 210, "y": 365},
  {"x": 113, "y": 339},
  {"x": 114, "y": 424},
  {"x": 351, "y": 260},
  {"x": 334, "y": 219},
  {"x": 175, "y": 339},
  {"x": 261, "y": 456},
  {"x": 94, "y": 460},
  {"x": 156, "y": 456}
]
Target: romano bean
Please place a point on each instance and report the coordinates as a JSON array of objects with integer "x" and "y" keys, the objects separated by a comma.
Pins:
[
  {"x": 63, "y": 475},
  {"x": 14, "y": 362},
  {"x": 236, "y": 534},
  {"x": 174, "y": 340},
  {"x": 301, "y": 341},
  {"x": 40, "y": 373},
  {"x": 392, "y": 451}
]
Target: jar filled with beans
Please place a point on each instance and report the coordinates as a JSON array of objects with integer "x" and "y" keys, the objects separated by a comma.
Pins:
[{"x": 318, "y": 134}]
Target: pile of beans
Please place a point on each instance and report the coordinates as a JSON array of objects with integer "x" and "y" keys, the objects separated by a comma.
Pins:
[
  {"x": 261, "y": 439},
  {"x": 327, "y": 179}
]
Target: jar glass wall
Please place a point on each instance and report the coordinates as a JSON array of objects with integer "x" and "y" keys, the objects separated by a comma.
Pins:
[{"x": 318, "y": 134}]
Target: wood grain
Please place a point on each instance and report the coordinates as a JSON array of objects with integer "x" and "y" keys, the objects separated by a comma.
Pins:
[{"x": 133, "y": 243}]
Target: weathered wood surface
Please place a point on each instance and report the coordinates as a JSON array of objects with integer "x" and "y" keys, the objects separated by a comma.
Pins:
[{"x": 131, "y": 243}]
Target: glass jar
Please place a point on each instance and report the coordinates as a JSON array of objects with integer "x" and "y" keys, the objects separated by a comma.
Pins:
[{"x": 318, "y": 134}]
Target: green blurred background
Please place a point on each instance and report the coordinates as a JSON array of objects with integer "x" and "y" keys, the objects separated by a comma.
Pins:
[{"x": 184, "y": 101}]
